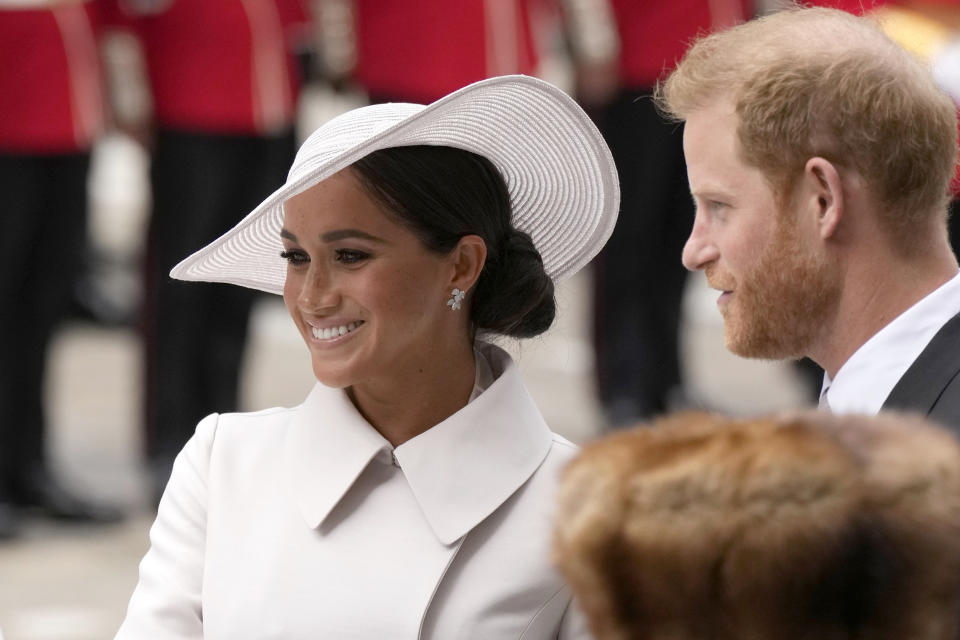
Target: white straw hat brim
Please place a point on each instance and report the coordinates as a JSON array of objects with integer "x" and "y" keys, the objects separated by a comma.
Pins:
[{"x": 558, "y": 170}]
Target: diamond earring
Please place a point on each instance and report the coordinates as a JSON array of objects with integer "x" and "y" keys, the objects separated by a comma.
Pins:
[{"x": 454, "y": 302}]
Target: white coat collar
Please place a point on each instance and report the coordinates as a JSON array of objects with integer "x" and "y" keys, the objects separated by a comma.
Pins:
[{"x": 460, "y": 470}]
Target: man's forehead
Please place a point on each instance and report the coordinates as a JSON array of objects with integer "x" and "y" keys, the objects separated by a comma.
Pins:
[
  {"x": 710, "y": 146},
  {"x": 710, "y": 126}
]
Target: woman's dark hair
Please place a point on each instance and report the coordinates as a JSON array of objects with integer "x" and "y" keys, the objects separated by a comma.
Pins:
[{"x": 442, "y": 194}]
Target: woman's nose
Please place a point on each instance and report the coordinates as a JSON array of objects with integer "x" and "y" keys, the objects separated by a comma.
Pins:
[{"x": 318, "y": 291}]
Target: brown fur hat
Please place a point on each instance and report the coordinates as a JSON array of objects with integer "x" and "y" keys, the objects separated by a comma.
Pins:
[{"x": 805, "y": 526}]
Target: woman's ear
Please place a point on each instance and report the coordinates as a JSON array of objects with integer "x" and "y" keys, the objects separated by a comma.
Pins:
[
  {"x": 823, "y": 191},
  {"x": 468, "y": 258}
]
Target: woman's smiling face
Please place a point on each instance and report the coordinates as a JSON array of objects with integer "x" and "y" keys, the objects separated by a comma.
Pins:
[{"x": 366, "y": 295}]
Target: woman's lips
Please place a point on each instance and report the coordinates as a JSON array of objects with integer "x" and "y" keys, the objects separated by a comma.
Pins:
[{"x": 335, "y": 332}]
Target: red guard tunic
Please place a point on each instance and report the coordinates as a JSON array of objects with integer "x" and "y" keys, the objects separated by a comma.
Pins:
[
  {"x": 655, "y": 35},
  {"x": 421, "y": 50},
  {"x": 235, "y": 78},
  {"x": 51, "y": 99}
]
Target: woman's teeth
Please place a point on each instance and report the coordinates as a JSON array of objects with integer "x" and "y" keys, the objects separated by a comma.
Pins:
[{"x": 334, "y": 332}]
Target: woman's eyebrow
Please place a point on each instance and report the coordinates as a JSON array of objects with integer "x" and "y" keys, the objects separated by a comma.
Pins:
[{"x": 341, "y": 234}]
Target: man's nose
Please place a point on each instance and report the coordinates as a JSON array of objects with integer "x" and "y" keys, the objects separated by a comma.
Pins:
[{"x": 699, "y": 251}]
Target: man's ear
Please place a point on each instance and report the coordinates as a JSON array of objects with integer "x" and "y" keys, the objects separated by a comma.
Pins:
[
  {"x": 468, "y": 258},
  {"x": 822, "y": 195}
]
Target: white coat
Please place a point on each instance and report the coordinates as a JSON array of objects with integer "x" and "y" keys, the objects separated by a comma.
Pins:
[{"x": 306, "y": 523}]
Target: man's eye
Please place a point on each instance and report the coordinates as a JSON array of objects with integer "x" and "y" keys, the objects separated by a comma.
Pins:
[
  {"x": 294, "y": 257},
  {"x": 717, "y": 210},
  {"x": 350, "y": 256}
]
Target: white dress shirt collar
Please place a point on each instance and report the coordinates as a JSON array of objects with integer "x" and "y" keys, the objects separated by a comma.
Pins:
[
  {"x": 460, "y": 470},
  {"x": 866, "y": 379}
]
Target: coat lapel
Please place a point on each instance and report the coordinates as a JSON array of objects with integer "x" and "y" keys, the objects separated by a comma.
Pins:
[
  {"x": 460, "y": 471},
  {"x": 328, "y": 447},
  {"x": 937, "y": 365},
  {"x": 468, "y": 465}
]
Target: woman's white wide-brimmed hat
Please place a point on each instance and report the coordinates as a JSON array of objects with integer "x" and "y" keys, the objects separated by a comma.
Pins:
[{"x": 559, "y": 172}]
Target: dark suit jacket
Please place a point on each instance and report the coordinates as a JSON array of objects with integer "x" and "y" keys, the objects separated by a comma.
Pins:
[{"x": 931, "y": 385}]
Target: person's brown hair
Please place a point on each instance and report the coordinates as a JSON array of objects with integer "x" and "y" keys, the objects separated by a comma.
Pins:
[
  {"x": 442, "y": 194},
  {"x": 822, "y": 82},
  {"x": 804, "y": 527}
]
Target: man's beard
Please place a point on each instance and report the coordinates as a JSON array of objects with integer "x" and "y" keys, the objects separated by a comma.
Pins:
[{"x": 782, "y": 303}]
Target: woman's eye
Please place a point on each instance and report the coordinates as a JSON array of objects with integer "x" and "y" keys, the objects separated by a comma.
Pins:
[
  {"x": 350, "y": 256},
  {"x": 294, "y": 257}
]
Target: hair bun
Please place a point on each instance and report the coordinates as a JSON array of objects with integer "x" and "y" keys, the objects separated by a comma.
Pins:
[
  {"x": 514, "y": 295},
  {"x": 442, "y": 194}
]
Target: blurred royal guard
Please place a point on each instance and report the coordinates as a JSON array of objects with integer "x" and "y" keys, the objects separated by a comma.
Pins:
[{"x": 51, "y": 112}]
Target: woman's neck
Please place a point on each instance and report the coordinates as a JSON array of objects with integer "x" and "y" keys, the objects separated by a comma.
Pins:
[{"x": 429, "y": 391}]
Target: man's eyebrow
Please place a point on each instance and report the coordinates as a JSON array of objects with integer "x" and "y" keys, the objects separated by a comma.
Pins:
[
  {"x": 710, "y": 192},
  {"x": 286, "y": 234}
]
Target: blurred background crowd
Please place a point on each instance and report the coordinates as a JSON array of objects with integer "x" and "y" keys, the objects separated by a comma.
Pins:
[{"x": 133, "y": 132}]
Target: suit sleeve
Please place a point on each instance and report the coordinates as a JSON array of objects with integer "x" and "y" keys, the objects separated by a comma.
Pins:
[{"x": 166, "y": 603}]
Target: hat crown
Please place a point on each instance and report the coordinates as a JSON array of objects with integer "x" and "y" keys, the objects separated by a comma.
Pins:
[{"x": 339, "y": 135}]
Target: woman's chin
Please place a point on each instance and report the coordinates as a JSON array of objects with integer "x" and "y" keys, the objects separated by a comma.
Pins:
[{"x": 332, "y": 379}]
